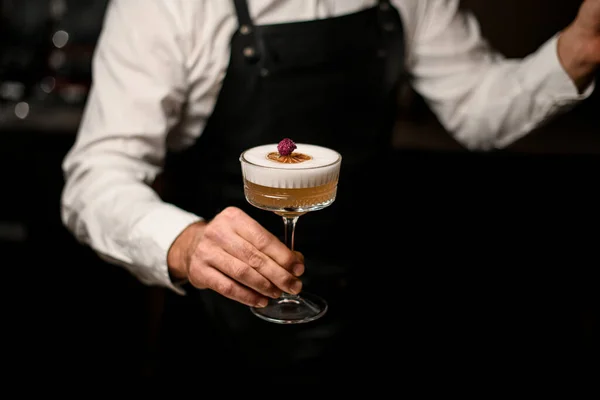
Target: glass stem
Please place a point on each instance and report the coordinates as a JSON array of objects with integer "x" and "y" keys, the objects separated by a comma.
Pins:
[{"x": 289, "y": 222}]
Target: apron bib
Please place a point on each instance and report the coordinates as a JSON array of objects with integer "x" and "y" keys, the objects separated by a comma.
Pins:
[{"x": 331, "y": 82}]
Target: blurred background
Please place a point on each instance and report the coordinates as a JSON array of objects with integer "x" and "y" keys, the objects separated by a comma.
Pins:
[{"x": 88, "y": 313}]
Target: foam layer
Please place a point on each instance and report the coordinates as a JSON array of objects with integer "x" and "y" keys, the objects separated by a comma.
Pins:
[{"x": 322, "y": 168}]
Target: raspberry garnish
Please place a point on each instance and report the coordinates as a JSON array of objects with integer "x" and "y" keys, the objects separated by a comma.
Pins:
[{"x": 286, "y": 147}]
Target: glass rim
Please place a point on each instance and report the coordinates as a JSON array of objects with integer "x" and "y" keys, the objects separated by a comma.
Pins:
[{"x": 337, "y": 161}]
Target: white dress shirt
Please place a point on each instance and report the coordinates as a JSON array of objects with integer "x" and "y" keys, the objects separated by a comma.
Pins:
[{"x": 154, "y": 56}]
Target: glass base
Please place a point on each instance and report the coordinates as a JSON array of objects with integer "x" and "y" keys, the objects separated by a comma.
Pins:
[{"x": 290, "y": 309}]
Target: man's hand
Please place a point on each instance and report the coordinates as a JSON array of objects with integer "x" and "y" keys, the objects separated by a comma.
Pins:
[
  {"x": 579, "y": 45},
  {"x": 236, "y": 257}
]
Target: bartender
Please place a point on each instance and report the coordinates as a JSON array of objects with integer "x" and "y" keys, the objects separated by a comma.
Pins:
[{"x": 181, "y": 88}]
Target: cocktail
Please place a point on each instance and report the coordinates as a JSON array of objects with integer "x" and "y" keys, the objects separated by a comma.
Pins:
[{"x": 290, "y": 180}]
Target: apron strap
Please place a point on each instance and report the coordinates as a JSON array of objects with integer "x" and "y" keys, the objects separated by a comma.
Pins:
[
  {"x": 243, "y": 14},
  {"x": 389, "y": 23},
  {"x": 253, "y": 46}
]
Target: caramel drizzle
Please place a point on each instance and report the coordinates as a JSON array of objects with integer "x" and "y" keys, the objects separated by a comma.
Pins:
[{"x": 293, "y": 158}]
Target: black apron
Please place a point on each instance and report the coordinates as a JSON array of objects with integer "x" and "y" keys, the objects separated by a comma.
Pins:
[{"x": 330, "y": 82}]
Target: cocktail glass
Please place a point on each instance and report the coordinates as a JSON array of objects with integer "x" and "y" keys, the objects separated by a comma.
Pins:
[{"x": 290, "y": 185}]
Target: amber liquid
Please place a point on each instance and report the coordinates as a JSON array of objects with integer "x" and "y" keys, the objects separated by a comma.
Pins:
[{"x": 291, "y": 200}]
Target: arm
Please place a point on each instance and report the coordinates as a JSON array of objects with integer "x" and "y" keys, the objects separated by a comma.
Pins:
[
  {"x": 483, "y": 99},
  {"x": 140, "y": 83},
  {"x": 139, "y": 86}
]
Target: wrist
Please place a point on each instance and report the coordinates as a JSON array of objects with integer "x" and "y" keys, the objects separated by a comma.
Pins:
[
  {"x": 578, "y": 55},
  {"x": 179, "y": 253}
]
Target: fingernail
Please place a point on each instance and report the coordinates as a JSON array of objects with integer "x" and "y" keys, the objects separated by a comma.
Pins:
[
  {"x": 262, "y": 303},
  {"x": 295, "y": 288},
  {"x": 298, "y": 269}
]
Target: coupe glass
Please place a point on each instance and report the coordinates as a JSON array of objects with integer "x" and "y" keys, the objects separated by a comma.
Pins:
[{"x": 304, "y": 181}]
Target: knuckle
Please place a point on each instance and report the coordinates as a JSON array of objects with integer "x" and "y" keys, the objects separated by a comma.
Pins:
[
  {"x": 195, "y": 277},
  {"x": 212, "y": 232},
  {"x": 227, "y": 289},
  {"x": 209, "y": 233},
  {"x": 239, "y": 271},
  {"x": 200, "y": 249},
  {"x": 203, "y": 254},
  {"x": 289, "y": 260},
  {"x": 267, "y": 285},
  {"x": 248, "y": 251},
  {"x": 256, "y": 261},
  {"x": 262, "y": 239},
  {"x": 231, "y": 212}
]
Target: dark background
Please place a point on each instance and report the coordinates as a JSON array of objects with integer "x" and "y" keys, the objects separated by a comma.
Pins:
[{"x": 63, "y": 305}]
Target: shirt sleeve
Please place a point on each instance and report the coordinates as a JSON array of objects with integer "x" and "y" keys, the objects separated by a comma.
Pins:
[
  {"x": 483, "y": 99},
  {"x": 137, "y": 94}
]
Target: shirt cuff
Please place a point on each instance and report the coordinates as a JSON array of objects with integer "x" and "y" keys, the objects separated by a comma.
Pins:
[
  {"x": 151, "y": 240},
  {"x": 548, "y": 77}
]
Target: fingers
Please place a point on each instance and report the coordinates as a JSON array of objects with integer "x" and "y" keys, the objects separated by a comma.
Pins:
[
  {"x": 270, "y": 245},
  {"x": 241, "y": 260},
  {"x": 235, "y": 267},
  {"x": 250, "y": 263},
  {"x": 214, "y": 279}
]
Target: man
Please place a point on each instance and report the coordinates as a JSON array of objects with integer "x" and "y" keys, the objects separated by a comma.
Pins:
[{"x": 182, "y": 87}]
